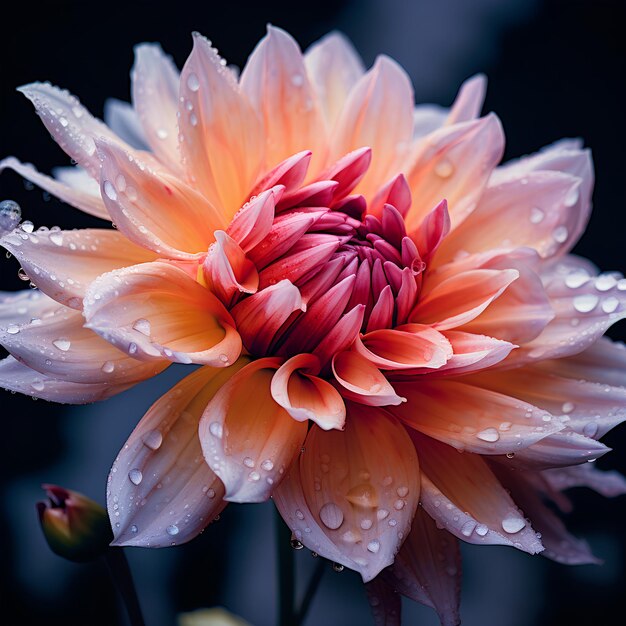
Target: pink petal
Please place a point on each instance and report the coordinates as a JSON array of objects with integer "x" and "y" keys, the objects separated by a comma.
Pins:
[
  {"x": 472, "y": 419},
  {"x": 396, "y": 192},
  {"x": 14, "y": 376},
  {"x": 155, "y": 209},
  {"x": 397, "y": 349},
  {"x": 609, "y": 484},
  {"x": 341, "y": 336},
  {"x": 559, "y": 544},
  {"x": 247, "y": 438},
  {"x": 160, "y": 490},
  {"x": 432, "y": 230},
  {"x": 385, "y": 602},
  {"x": 155, "y": 310},
  {"x": 77, "y": 197},
  {"x": 123, "y": 120},
  {"x": 542, "y": 205},
  {"x": 469, "y": 100},
  {"x": 276, "y": 83},
  {"x": 155, "y": 82},
  {"x": 260, "y": 316},
  {"x": 253, "y": 221},
  {"x": 222, "y": 144},
  {"x": 462, "y": 494},
  {"x": 63, "y": 263},
  {"x": 428, "y": 568},
  {"x": 227, "y": 269},
  {"x": 69, "y": 123},
  {"x": 333, "y": 67},
  {"x": 57, "y": 344},
  {"x": 454, "y": 163},
  {"x": 20, "y": 307},
  {"x": 362, "y": 381},
  {"x": 348, "y": 170},
  {"x": 461, "y": 298},
  {"x": 354, "y": 493},
  {"x": 385, "y": 92},
  {"x": 304, "y": 396}
]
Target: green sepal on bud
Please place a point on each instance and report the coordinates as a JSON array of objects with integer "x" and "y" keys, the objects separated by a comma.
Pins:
[{"x": 75, "y": 527}]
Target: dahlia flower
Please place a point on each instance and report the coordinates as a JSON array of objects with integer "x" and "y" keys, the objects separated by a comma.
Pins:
[{"x": 368, "y": 294}]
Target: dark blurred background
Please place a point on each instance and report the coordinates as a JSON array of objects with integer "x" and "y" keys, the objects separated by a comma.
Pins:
[{"x": 556, "y": 69}]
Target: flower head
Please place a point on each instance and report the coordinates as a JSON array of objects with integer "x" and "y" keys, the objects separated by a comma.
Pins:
[{"x": 367, "y": 291}]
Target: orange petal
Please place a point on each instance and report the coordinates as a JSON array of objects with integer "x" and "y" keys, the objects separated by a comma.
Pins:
[
  {"x": 362, "y": 381},
  {"x": 154, "y": 208},
  {"x": 247, "y": 438},
  {"x": 222, "y": 141},
  {"x": 354, "y": 494},
  {"x": 276, "y": 83},
  {"x": 461, "y": 493},
  {"x": 305, "y": 396},
  {"x": 63, "y": 263},
  {"x": 472, "y": 419},
  {"x": 160, "y": 490},
  {"x": 155, "y": 310}
]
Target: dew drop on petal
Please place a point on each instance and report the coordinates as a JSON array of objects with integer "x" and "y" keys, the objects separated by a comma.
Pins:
[
  {"x": 133, "y": 529},
  {"x": 56, "y": 238},
  {"x": 142, "y": 326},
  {"x": 62, "y": 344},
  {"x": 559, "y": 234},
  {"x": 248, "y": 462},
  {"x": 331, "y": 515},
  {"x": 481, "y": 530},
  {"x": 610, "y": 304},
  {"x": 567, "y": 407},
  {"x": 576, "y": 279},
  {"x": 254, "y": 476},
  {"x": 536, "y": 215},
  {"x": 572, "y": 197},
  {"x": 585, "y": 303},
  {"x": 172, "y": 530},
  {"x": 338, "y": 567},
  {"x": 216, "y": 429},
  {"x": 109, "y": 190},
  {"x": 604, "y": 282},
  {"x": 366, "y": 524},
  {"x": 373, "y": 546},
  {"x": 489, "y": 434},
  {"x": 13, "y": 329},
  {"x": 37, "y": 384},
  {"x": 10, "y": 215},
  {"x": 590, "y": 429},
  {"x": 513, "y": 525},
  {"x": 108, "y": 367},
  {"x": 267, "y": 465},
  {"x": 468, "y": 528},
  {"x": 296, "y": 545},
  {"x": 135, "y": 476},
  {"x": 192, "y": 82},
  {"x": 381, "y": 514},
  {"x": 153, "y": 439},
  {"x": 444, "y": 169}
]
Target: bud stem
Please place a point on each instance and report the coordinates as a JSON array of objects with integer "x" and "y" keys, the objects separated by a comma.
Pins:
[{"x": 122, "y": 578}]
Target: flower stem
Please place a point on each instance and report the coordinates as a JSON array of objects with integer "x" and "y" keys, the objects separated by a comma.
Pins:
[
  {"x": 316, "y": 577},
  {"x": 123, "y": 580},
  {"x": 286, "y": 574}
]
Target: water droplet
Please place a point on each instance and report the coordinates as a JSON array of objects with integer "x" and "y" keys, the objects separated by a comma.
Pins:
[
  {"x": 610, "y": 304},
  {"x": 192, "y": 82},
  {"x": 576, "y": 279},
  {"x": 381, "y": 514},
  {"x": 338, "y": 567},
  {"x": 133, "y": 529},
  {"x": 267, "y": 465},
  {"x": 108, "y": 367},
  {"x": 132, "y": 348},
  {"x": 27, "y": 226},
  {"x": 216, "y": 429},
  {"x": 299, "y": 514},
  {"x": 254, "y": 476},
  {"x": 22, "y": 275},
  {"x": 62, "y": 344},
  {"x": 172, "y": 530},
  {"x": 402, "y": 491},
  {"x": 585, "y": 303},
  {"x": 297, "y": 80},
  {"x": 536, "y": 215},
  {"x": 210, "y": 493},
  {"x": 37, "y": 384},
  {"x": 513, "y": 525},
  {"x": 296, "y": 545},
  {"x": 135, "y": 476},
  {"x": 468, "y": 528},
  {"x": 559, "y": 234},
  {"x": 161, "y": 133},
  {"x": 13, "y": 329},
  {"x": 373, "y": 546},
  {"x": 604, "y": 282},
  {"x": 510, "y": 455},
  {"x": 366, "y": 524},
  {"x": 572, "y": 197},
  {"x": 153, "y": 439},
  {"x": 444, "y": 168},
  {"x": 481, "y": 530},
  {"x": 10, "y": 215},
  {"x": 567, "y": 407},
  {"x": 142, "y": 326},
  {"x": 398, "y": 505},
  {"x": 248, "y": 462},
  {"x": 363, "y": 495},
  {"x": 489, "y": 434},
  {"x": 590, "y": 429},
  {"x": 109, "y": 190},
  {"x": 331, "y": 515},
  {"x": 223, "y": 358},
  {"x": 56, "y": 238}
]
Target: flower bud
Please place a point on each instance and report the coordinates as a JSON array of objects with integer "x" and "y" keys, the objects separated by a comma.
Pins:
[{"x": 75, "y": 527}]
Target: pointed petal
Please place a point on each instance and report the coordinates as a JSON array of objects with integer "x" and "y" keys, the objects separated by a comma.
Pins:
[
  {"x": 428, "y": 568},
  {"x": 276, "y": 83},
  {"x": 58, "y": 345},
  {"x": 63, "y": 263},
  {"x": 247, "y": 438},
  {"x": 155, "y": 310},
  {"x": 123, "y": 120},
  {"x": 333, "y": 67},
  {"x": 69, "y": 123},
  {"x": 396, "y": 193},
  {"x": 221, "y": 133},
  {"x": 341, "y": 336},
  {"x": 260, "y": 316},
  {"x": 14, "y": 376},
  {"x": 362, "y": 381},
  {"x": 469, "y": 100},
  {"x": 396, "y": 349},
  {"x": 160, "y": 490},
  {"x": 459, "y": 299},
  {"x": 454, "y": 163},
  {"x": 472, "y": 419},
  {"x": 609, "y": 484},
  {"x": 462, "y": 494},
  {"x": 20, "y": 307},
  {"x": 79, "y": 198},
  {"x": 155, "y": 209},
  {"x": 357, "y": 510},
  {"x": 155, "y": 81},
  {"x": 253, "y": 221},
  {"x": 305, "y": 396},
  {"x": 431, "y": 232},
  {"x": 385, "y": 92},
  {"x": 385, "y": 602}
]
